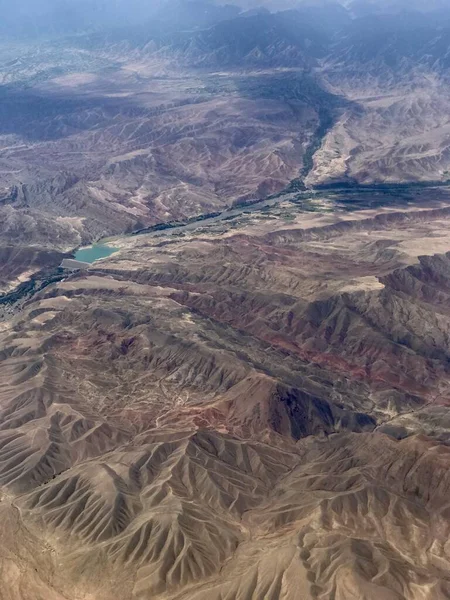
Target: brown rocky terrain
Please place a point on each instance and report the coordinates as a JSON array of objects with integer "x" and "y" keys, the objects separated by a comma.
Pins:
[
  {"x": 235, "y": 414},
  {"x": 83, "y": 157},
  {"x": 106, "y": 132},
  {"x": 252, "y": 405},
  {"x": 395, "y": 71}
]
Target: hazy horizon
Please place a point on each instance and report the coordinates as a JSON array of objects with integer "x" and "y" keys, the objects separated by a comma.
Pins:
[{"x": 31, "y": 17}]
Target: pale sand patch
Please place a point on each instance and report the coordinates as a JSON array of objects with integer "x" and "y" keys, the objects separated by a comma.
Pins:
[
  {"x": 76, "y": 222},
  {"x": 23, "y": 277},
  {"x": 439, "y": 243},
  {"x": 127, "y": 156},
  {"x": 44, "y": 317},
  {"x": 93, "y": 282},
  {"x": 75, "y": 79},
  {"x": 363, "y": 284}
]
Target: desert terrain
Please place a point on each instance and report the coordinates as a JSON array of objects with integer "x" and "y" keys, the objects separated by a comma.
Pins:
[
  {"x": 248, "y": 399},
  {"x": 111, "y": 131},
  {"x": 240, "y": 410}
]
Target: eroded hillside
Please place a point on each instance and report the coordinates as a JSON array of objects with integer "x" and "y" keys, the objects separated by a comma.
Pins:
[
  {"x": 241, "y": 412},
  {"x": 250, "y": 405},
  {"x": 115, "y": 129}
]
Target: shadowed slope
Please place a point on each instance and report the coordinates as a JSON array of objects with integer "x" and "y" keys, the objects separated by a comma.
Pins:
[{"x": 206, "y": 416}]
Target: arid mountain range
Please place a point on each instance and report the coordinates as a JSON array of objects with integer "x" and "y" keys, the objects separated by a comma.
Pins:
[
  {"x": 256, "y": 408},
  {"x": 248, "y": 399},
  {"x": 117, "y": 129}
]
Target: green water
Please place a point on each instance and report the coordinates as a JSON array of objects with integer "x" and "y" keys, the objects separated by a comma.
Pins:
[{"x": 93, "y": 253}]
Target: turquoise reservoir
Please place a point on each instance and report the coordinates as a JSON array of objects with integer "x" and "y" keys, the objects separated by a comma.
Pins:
[{"x": 92, "y": 253}]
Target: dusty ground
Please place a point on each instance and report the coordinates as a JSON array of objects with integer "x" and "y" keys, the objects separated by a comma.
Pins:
[{"x": 239, "y": 415}]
